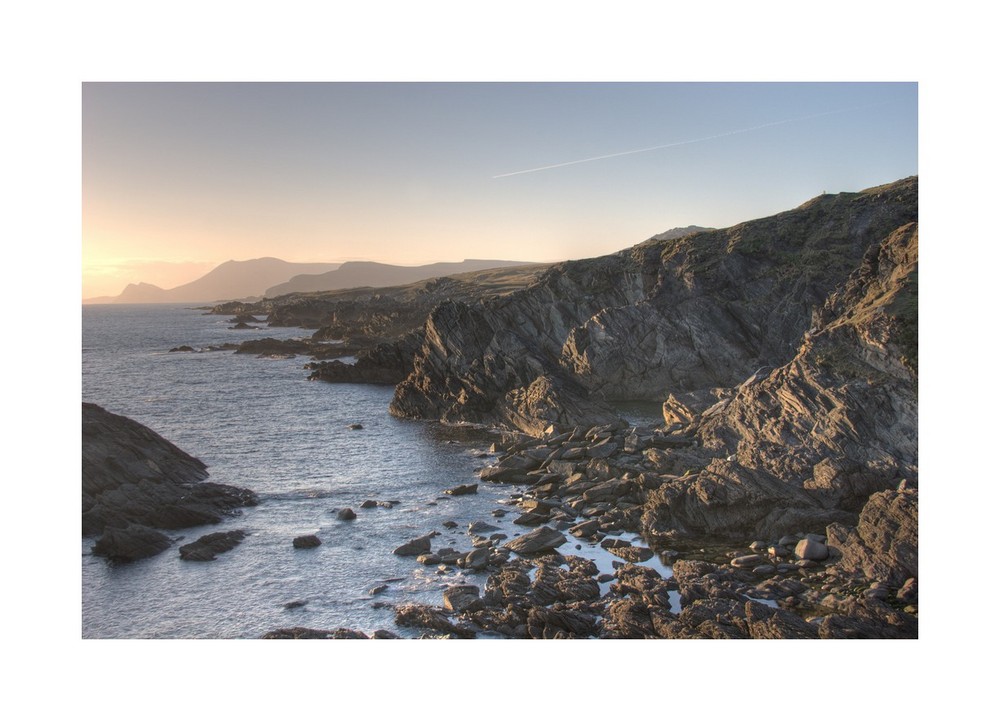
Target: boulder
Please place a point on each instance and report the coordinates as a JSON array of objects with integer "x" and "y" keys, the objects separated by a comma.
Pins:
[
  {"x": 810, "y": 550},
  {"x": 463, "y": 490},
  {"x": 416, "y": 546},
  {"x": 538, "y": 541},
  {"x": 308, "y": 541},
  {"x": 346, "y": 514},
  {"x": 462, "y": 598},
  {"x": 130, "y": 543}
]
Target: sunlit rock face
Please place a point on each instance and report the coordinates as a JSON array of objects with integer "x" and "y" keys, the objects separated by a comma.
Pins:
[{"x": 695, "y": 314}]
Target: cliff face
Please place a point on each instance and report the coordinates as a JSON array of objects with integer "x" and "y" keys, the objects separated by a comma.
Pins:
[
  {"x": 814, "y": 438},
  {"x": 685, "y": 317}
]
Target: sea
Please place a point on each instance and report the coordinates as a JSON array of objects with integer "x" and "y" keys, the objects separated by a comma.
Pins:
[{"x": 258, "y": 423}]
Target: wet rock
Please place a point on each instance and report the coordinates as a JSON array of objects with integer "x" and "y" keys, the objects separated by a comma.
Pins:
[
  {"x": 346, "y": 514},
  {"x": 745, "y": 561},
  {"x": 130, "y": 543},
  {"x": 538, "y": 541},
  {"x": 355, "y": 427},
  {"x": 450, "y": 524},
  {"x": 376, "y": 590},
  {"x": 462, "y": 598},
  {"x": 298, "y": 633},
  {"x": 530, "y": 519},
  {"x": 381, "y": 633},
  {"x": 416, "y": 546},
  {"x": 463, "y": 490},
  {"x": 308, "y": 541},
  {"x": 586, "y": 529},
  {"x": 632, "y": 554},
  {"x": 421, "y": 616},
  {"x": 476, "y": 560},
  {"x": 208, "y": 546},
  {"x": 291, "y": 605},
  {"x": 481, "y": 527}
]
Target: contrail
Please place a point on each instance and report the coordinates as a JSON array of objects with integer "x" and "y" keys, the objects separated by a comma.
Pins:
[{"x": 689, "y": 142}]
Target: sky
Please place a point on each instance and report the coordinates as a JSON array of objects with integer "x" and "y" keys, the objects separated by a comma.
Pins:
[{"x": 180, "y": 177}]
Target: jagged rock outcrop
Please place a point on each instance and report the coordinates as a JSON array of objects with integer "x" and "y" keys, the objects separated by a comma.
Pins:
[
  {"x": 807, "y": 443},
  {"x": 134, "y": 481},
  {"x": 383, "y": 364},
  {"x": 883, "y": 546},
  {"x": 675, "y": 316}
]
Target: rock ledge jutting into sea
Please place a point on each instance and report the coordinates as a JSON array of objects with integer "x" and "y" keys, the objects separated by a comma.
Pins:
[{"x": 135, "y": 481}]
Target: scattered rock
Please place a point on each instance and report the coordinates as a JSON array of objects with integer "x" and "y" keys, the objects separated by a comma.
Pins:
[
  {"x": 346, "y": 514},
  {"x": 538, "y": 541},
  {"x": 309, "y": 541},
  {"x": 130, "y": 543},
  {"x": 207, "y": 547},
  {"x": 480, "y": 527},
  {"x": 462, "y": 598},
  {"x": 416, "y": 546},
  {"x": 462, "y": 490},
  {"x": 810, "y": 550}
]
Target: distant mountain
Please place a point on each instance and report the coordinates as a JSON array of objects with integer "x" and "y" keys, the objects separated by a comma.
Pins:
[
  {"x": 357, "y": 274},
  {"x": 234, "y": 279}
]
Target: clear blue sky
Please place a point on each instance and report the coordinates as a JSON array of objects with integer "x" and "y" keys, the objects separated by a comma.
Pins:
[{"x": 180, "y": 177}]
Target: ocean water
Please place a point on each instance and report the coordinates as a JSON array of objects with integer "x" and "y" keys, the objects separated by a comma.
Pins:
[{"x": 259, "y": 424}]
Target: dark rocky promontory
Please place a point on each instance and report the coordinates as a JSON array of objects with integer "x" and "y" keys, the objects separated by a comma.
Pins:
[{"x": 135, "y": 481}]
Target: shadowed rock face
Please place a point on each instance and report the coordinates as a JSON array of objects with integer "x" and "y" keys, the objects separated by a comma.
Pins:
[
  {"x": 134, "y": 479},
  {"x": 666, "y": 317}
]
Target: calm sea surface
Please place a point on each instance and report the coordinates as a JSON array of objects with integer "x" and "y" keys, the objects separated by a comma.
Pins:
[{"x": 259, "y": 424}]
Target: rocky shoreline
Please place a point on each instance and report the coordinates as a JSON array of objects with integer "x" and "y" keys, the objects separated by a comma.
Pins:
[
  {"x": 781, "y": 487},
  {"x": 841, "y": 581}
]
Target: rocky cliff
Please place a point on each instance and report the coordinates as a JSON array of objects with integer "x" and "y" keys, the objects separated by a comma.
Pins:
[{"x": 678, "y": 317}]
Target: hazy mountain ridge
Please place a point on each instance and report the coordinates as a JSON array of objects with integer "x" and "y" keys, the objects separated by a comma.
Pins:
[
  {"x": 252, "y": 280},
  {"x": 230, "y": 280}
]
